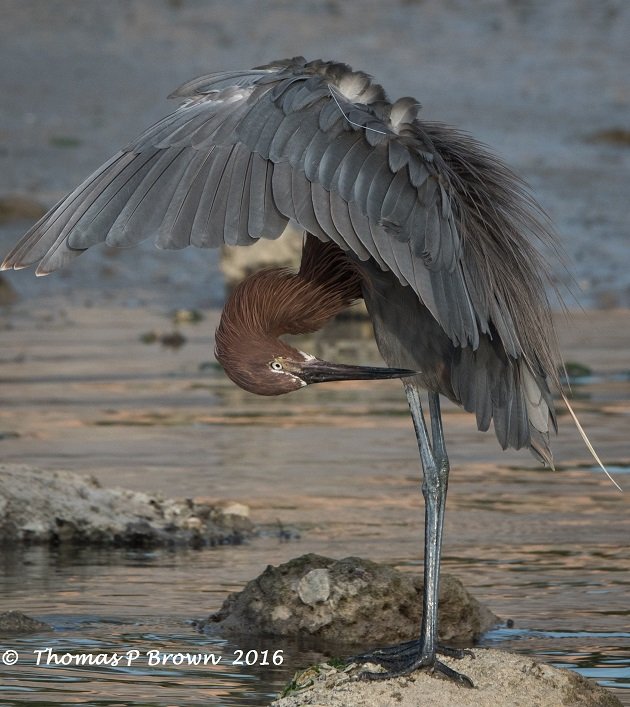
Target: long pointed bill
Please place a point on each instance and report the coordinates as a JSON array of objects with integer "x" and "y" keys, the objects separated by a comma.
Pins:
[{"x": 317, "y": 371}]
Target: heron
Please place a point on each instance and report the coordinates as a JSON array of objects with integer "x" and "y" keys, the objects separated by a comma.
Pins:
[{"x": 416, "y": 218}]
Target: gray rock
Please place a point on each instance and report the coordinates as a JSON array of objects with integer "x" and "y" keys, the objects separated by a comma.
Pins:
[
  {"x": 238, "y": 263},
  {"x": 60, "y": 507},
  {"x": 15, "y": 623},
  {"x": 350, "y": 601},
  {"x": 500, "y": 679},
  {"x": 20, "y": 207}
]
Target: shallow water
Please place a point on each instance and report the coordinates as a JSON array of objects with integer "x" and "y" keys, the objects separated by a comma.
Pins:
[
  {"x": 139, "y": 606},
  {"x": 337, "y": 464}
]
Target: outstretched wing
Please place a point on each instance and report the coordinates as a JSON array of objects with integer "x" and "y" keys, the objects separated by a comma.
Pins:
[{"x": 247, "y": 151}]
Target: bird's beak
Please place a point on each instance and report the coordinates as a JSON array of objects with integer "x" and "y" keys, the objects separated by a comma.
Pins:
[{"x": 317, "y": 371}]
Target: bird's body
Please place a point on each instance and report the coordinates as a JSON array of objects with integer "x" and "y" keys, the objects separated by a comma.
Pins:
[{"x": 415, "y": 217}]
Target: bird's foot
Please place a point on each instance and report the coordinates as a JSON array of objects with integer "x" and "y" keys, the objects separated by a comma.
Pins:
[
  {"x": 405, "y": 658},
  {"x": 408, "y": 649}
]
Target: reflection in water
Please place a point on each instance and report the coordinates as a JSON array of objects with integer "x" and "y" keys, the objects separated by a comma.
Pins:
[{"x": 338, "y": 464}]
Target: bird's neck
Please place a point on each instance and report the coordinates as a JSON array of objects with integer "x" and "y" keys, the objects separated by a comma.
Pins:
[{"x": 273, "y": 302}]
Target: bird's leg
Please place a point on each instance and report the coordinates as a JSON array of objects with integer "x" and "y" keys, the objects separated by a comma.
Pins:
[
  {"x": 409, "y": 656},
  {"x": 440, "y": 458}
]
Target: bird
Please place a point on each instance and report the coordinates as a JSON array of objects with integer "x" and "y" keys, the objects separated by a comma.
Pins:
[{"x": 418, "y": 219}]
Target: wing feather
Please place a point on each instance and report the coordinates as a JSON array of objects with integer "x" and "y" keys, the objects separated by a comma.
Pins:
[
  {"x": 350, "y": 168},
  {"x": 364, "y": 234},
  {"x": 399, "y": 199},
  {"x": 313, "y": 155},
  {"x": 282, "y": 189},
  {"x": 219, "y": 80},
  {"x": 330, "y": 117},
  {"x": 217, "y": 216},
  {"x": 285, "y": 131},
  {"x": 146, "y": 207},
  {"x": 397, "y": 155},
  {"x": 333, "y": 156},
  {"x": 310, "y": 92},
  {"x": 265, "y": 219},
  {"x": 175, "y": 229},
  {"x": 384, "y": 245},
  {"x": 379, "y": 186},
  {"x": 266, "y": 131},
  {"x": 300, "y": 142},
  {"x": 340, "y": 212},
  {"x": 235, "y": 229},
  {"x": 302, "y": 197},
  {"x": 202, "y": 228},
  {"x": 323, "y": 212},
  {"x": 103, "y": 203},
  {"x": 43, "y": 235}
]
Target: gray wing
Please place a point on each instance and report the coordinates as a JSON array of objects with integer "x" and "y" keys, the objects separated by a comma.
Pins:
[{"x": 248, "y": 151}]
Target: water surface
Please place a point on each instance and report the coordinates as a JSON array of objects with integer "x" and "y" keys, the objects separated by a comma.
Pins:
[{"x": 335, "y": 464}]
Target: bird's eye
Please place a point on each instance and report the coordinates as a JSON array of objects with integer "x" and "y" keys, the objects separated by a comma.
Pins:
[{"x": 275, "y": 366}]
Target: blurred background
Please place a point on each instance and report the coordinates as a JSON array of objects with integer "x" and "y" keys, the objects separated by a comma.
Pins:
[{"x": 86, "y": 387}]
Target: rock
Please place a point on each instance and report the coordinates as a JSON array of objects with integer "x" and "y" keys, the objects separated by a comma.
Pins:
[
  {"x": 17, "y": 207},
  {"x": 60, "y": 507},
  {"x": 501, "y": 680},
  {"x": 15, "y": 622},
  {"x": 238, "y": 263},
  {"x": 187, "y": 316},
  {"x": 351, "y": 601},
  {"x": 232, "y": 508},
  {"x": 169, "y": 339}
]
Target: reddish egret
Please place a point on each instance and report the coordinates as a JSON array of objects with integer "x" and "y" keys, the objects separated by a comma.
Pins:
[{"x": 416, "y": 218}]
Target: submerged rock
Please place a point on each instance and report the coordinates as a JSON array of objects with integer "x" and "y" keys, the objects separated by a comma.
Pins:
[
  {"x": 15, "y": 623},
  {"x": 350, "y": 601},
  {"x": 500, "y": 679},
  {"x": 59, "y": 507}
]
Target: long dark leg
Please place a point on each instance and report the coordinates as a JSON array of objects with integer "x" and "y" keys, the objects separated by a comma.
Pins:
[{"x": 407, "y": 657}]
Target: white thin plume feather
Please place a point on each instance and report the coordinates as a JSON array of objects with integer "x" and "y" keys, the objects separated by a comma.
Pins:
[
  {"x": 333, "y": 91},
  {"x": 587, "y": 442}
]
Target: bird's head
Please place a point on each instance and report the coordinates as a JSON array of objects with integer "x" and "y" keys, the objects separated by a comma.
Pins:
[{"x": 269, "y": 366}]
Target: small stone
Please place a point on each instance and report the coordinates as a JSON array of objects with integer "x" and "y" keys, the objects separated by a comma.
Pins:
[
  {"x": 187, "y": 316},
  {"x": 193, "y": 523},
  {"x": 15, "y": 622},
  {"x": 314, "y": 587},
  {"x": 235, "y": 509},
  {"x": 281, "y": 613}
]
